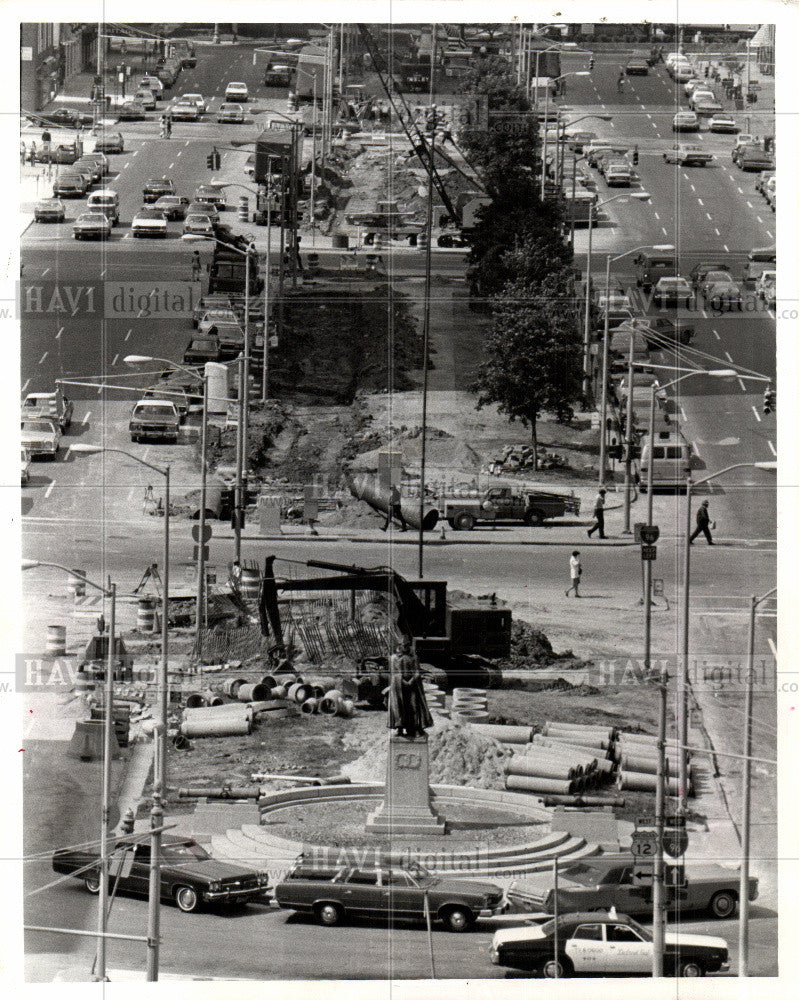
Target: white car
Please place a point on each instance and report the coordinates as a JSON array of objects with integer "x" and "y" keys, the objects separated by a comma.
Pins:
[
  {"x": 237, "y": 92},
  {"x": 230, "y": 113},
  {"x": 214, "y": 316},
  {"x": 149, "y": 222},
  {"x": 766, "y": 287},
  {"x": 197, "y": 99},
  {"x": 185, "y": 111},
  {"x": 723, "y": 123},
  {"x": 698, "y": 94},
  {"x": 41, "y": 436}
]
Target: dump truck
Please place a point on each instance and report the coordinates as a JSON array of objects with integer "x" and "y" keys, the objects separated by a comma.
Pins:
[{"x": 500, "y": 503}]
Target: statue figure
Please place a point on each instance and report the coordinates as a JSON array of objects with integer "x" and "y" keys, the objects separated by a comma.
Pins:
[{"x": 407, "y": 706}]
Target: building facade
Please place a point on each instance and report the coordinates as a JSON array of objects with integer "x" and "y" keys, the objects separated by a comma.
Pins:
[{"x": 51, "y": 55}]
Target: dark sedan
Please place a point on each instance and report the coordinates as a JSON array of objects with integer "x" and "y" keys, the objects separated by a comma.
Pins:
[
  {"x": 49, "y": 210},
  {"x": 200, "y": 350},
  {"x": 334, "y": 894},
  {"x": 66, "y": 118},
  {"x": 111, "y": 142},
  {"x": 637, "y": 67},
  {"x": 155, "y": 188},
  {"x": 603, "y": 944},
  {"x": 132, "y": 111},
  {"x": 190, "y": 877}
]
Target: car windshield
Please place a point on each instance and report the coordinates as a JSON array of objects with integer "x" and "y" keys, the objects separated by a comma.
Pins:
[
  {"x": 198, "y": 220},
  {"x": 718, "y": 276},
  {"x": 154, "y": 410},
  {"x": 150, "y": 213},
  {"x": 92, "y": 217},
  {"x": 583, "y": 873},
  {"x": 184, "y": 852},
  {"x": 39, "y": 426}
]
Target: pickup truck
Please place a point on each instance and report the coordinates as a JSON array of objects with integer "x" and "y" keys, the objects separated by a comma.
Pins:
[
  {"x": 155, "y": 418},
  {"x": 504, "y": 504},
  {"x": 48, "y": 404}
]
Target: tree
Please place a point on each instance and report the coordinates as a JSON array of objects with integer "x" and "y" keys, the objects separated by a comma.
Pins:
[{"x": 533, "y": 352}]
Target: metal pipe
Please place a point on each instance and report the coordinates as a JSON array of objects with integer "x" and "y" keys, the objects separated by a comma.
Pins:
[
  {"x": 587, "y": 326},
  {"x": 105, "y": 817},
  {"x": 201, "y": 581},
  {"x": 154, "y": 889}
]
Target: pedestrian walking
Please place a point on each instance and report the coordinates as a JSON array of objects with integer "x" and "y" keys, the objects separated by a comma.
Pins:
[
  {"x": 599, "y": 515},
  {"x": 22, "y": 152},
  {"x": 169, "y": 125},
  {"x": 575, "y": 571},
  {"x": 196, "y": 266},
  {"x": 395, "y": 509},
  {"x": 163, "y": 126},
  {"x": 32, "y": 153},
  {"x": 702, "y": 524},
  {"x": 620, "y": 82}
]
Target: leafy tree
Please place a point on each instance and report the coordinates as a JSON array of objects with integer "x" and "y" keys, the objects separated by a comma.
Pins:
[{"x": 533, "y": 352}]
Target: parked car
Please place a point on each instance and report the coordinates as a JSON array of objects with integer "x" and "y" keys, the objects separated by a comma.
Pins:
[
  {"x": 742, "y": 139},
  {"x": 65, "y": 118},
  {"x": 335, "y": 894},
  {"x": 41, "y": 436},
  {"x": 174, "y": 206},
  {"x": 660, "y": 331},
  {"x": 149, "y": 222},
  {"x": 154, "y": 419},
  {"x": 190, "y": 877},
  {"x": 723, "y": 123},
  {"x": 707, "y": 106},
  {"x": 185, "y": 111},
  {"x": 25, "y": 467},
  {"x": 637, "y": 67},
  {"x": 197, "y": 99},
  {"x": 770, "y": 192},
  {"x": 672, "y": 291},
  {"x": 91, "y": 168},
  {"x": 231, "y": 114},
  {"x": 278, "y": 75},
  {"x": 603, "y": 882},
  {"x": 110, "y": 142},
  {"x": 65, "y": 153},
  {"x": 604, "y": 944},
  {"x": 752, "y": 157},
  {"x": 135, "y": 110},
  {"x": 100, "y": 159},
  {"x": 201, "y": 350},
  {"x": 70, "y": 185},
  {"x": 230, "y": 337},
  {"x": 687, "y": 155},
  {"x": 92, "y": 226},
  {"x": 617, "y": 174},
  {"x": 685, "y": 121},
  {"x": 210, "y": 317},
  {"x": 691, "y": 85},
  {"x": 48, "y": 404},
  {"x": 153, "y": 84},
  {"x": 703, "y": 268},
  {"x": 762, "y": 180},
  {"x": 196, "y": 224},
  {"x": 698, "y": 94},
  {"x": 237, "y": 92},
  {"x": 155, "y": 188},
  {"x": 204, "y": 208},
  {"x": 210, "y": 302},
  {"x": 49, "y": 210}
]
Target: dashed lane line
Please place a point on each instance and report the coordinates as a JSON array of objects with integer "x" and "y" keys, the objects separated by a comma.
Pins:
[
  {"x": 769, "y": 233},
  {"x": 682, "y": 414},
  {"x": 757, "y": 415},
  {"x": 85, "y": 420},
  {"x": 741, "y": 191},
  {"x": 171, "y": 166},
  {"x": 749, "y": 203},
  {"x": 728, "y": 356},
  {"x": 127, "y": 335},
  {"x": 716, "y": 334},
  {"x": 41, "y": 359},
  {"x": 773, "y": 449},
  {"x": 759, "y": 220},
  {"x": 657, "y": 216},
  {"x": 709, "y": 216},
  {"x": 45, "y": 272},
  {"x": 726, "y": 248},
  {"x": 58, "y": 335},
  {"x": 49, "y": 489},
  {"x": 772, "y": 314},
  {"x": 116, "y": 358},
  {"x": 717, "y": 232},
  {"x": 663, "y": 230},
  {"x": 770, "y": 641},
  {"x": 25, "y": 387},
  {"x": 701, "y": 202},
  {"x": 742, "y": 384}
]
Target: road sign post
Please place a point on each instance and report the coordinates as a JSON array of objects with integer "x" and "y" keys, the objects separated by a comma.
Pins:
[{"x": 649, "y": 553}]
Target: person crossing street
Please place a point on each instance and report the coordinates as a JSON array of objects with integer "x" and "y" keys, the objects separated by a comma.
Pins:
[
  {"x": 575, "y": 571},
  {"x": 702, "y": 524},
  {"x": 599, "y": 515}
]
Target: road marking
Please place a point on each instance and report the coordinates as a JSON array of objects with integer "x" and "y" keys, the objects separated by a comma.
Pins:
[
  {"x": 58, "y": 335},
  {"x": 648, "y": 116},
  {"x": 754, "y": 410},
  {"x": 717, "y": 232},
  {"x": 710, "y": 217},
  {"x": 741, "y": 191},
  {"x": 741, "y": 384},
  {"x": 773, "y": 449},
  {"x": 769, "y": 233},
  {"x": 187, "y": 142},
  {"x": 41, "y": 359},
  {"x": 770, "y": 641},
  {"x": 663, "y": 228},
  {"x": 171, "y": 166},
  {"x": 693, "y": 189},
  {"x": 696, "y": 450},
  {"x": 24, "y": 388},
  {"x": 749, "y": 203},
  {"x": 701, "y": 202},
  {"x": 726, "y": 248},
  {"x": 103, "y": 272},
  {"x": 45, "y": 272},
  {"x": 657, "y": 216},
  {"x": 49, "y": 489},
  {"x": 728, "y": 356},
  {"x": 135, "y": 152},
  {"x": 130, "y": 331},
  {"x": 682, "y": 413},
  {"x": 716, "y": 334},
  {"x": 759, "y": 220},
  {"x": 654, "y": 125},
  {"x": 125, "y": 166},
  {"x": 116, "y": 358},
  {"x": 85, "y": 420}
]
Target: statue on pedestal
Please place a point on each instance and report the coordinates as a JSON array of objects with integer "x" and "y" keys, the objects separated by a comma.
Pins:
[{"x": 407, "y": 706}]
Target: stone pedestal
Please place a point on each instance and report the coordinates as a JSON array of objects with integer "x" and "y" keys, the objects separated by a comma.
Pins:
[{"x": 406, "y": 809}]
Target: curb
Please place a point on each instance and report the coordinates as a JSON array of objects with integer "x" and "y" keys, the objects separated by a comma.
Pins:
[{"x": 429, "y": 542}]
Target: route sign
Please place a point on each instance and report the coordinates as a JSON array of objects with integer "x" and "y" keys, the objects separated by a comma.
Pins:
[
  {"x": 206, "y": 534},
  {"x": 675, "y": 842},
  {"x": 649, "y": 553},
  {"x": 644, "y": 843},
  {"x": 649, "y": 533}
]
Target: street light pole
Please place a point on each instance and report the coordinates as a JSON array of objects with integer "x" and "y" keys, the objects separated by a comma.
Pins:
[
  {"x": 628, "y": 437},
  {"x": 426, "y": 338},
  {"x": 201, "y": 581},
  {"x": 603, "y": 433}
]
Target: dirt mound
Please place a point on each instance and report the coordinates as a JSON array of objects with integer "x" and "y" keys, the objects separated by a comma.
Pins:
[{"x": 531, "y": 648}]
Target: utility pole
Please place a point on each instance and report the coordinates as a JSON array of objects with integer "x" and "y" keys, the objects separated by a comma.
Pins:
[
  {"x": 658, "y": 886},
  {"x": 628, "y": 436},
  {"x": 433, "y": 64},
  {"x": 603, "y": 430},
  {"x": 426, "y": 335}
]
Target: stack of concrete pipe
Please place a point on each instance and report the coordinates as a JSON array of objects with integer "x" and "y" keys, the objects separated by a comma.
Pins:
[
  {"x": 603, "y": 758},
  {"x": 434, "y": 696},
  {"x": 552, "y": 771},
  {"x": 513, "y": 735},
  {"x": 232, "y": 719},
  {"x": 638, "y": 757},
  {"x": 469, "y": 705}
]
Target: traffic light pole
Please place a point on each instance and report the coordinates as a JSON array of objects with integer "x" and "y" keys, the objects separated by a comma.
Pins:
[{"x": 658, "y": 887}]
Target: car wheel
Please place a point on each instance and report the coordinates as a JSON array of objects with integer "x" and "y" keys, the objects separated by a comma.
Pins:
[
  {"x": 722, "y": 905},
  {"x": 187, "y": 899},
  {"x": 534, "y": 518},
  {"x": 328, "y": 914},
  {"x": 92, "y": 882},
  {"x": 458, "y": 919},
  {"x": 556, "y": 968},
  {"x": 464, "y": 522},
  {"x": 691, "y": 969}
]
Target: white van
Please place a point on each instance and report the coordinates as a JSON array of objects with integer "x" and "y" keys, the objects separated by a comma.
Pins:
[
  {"x": 106, "y": 202},
  {"x": 670, "y": 455}
]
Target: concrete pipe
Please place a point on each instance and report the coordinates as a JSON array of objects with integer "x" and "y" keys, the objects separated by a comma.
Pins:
[
  {"x": 577, "y": 765},
  {"x": 317, "y": 692},
  {"x": 587, "y": 760},
  {"x": 345, "y": 708},
  {"x": 179, "y": 742},
  {"x": 505, "y": 734},
  {"x": 231, "y": 686},
  {"x": 212, "y": 699},
  {"x": 299, "y": 693},
  {"x": 602, "y": 732},
  {"x": 566, "y": 742},
  {"x": 330, "y": 703},
  {"x": 591, "y": 743},
  {"x": 598, "y": 756},
  {"x": 542, "y": 786},
  {"x": 646, "y": 765},
  {"x": 268, "y": 681},
  {"x": 467, "y": 717},
  {"x": 225, "y": 725},
  {"x": 253, "y": 692},
  {"x": 645, "y": 750},
  {"x": 310, "y": 706},
  {"x": 324, "y": 684},
  {"x": 229, "y": 708},
  {"x": 636, "y": 781},
  {"x": 542, "y": 767},
  {"x": 196, "y": 700},
  {"x": 279, "y": 691},
  {"x": 584, "y": 801},
  {"x": 368, "y": 489}
]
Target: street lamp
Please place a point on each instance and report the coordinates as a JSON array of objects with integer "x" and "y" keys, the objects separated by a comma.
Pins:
[
  {"x": 746, "y": 824},
  {"x": 554, "y": 79},
  {"x": 133, "y": 361},
  {"x": 108, "y": 703},
  {"x": 637, "y": 196},
  {"x": 682, "y": 676},
  {"x": 611, "y": 260},
  {"x": 159, "y": 771}
]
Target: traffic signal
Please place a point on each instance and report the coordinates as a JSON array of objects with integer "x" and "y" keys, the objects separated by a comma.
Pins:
[
  {"x": 768, "y": 400},
  {"x": 213, "y": 159},
  {"x": 591, "y": 63},
  {"x": 635, "y": 156},
  {"x": 615, "y": 451}
]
